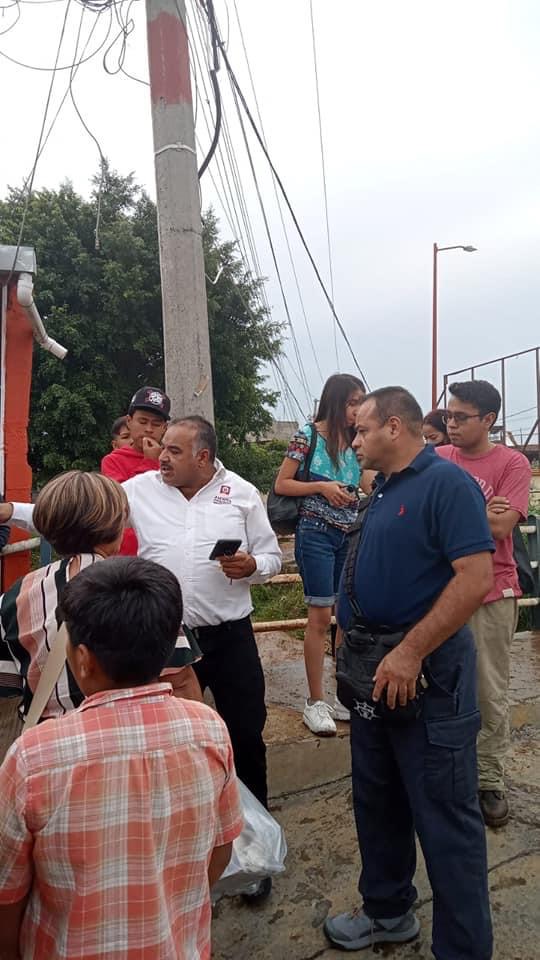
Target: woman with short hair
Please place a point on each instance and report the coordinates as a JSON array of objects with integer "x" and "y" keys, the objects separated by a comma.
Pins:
[{"x": 82, "y": 515}]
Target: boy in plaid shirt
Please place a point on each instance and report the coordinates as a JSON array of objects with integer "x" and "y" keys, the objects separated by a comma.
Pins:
[{"x": 116, "y": 819}]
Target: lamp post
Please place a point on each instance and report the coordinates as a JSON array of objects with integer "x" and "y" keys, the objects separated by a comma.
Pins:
[{"x": 434, "y": 376}]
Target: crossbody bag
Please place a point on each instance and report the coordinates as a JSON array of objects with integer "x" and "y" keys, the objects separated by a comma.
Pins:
[{"x": 363, "y": 647}]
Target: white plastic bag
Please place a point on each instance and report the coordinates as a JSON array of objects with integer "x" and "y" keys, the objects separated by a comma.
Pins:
[{"x": 258, "y": 852}]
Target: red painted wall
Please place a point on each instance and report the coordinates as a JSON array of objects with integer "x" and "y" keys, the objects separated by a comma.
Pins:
[{"x": 18, "y": 475}]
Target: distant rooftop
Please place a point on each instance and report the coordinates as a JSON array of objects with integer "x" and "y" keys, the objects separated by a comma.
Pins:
[
  {"x": 280, "y": 430},
  {"x": 25, "y": 262}
]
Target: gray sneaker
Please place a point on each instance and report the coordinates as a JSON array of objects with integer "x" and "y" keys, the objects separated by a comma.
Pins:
[{"x": 354, "y": 931}]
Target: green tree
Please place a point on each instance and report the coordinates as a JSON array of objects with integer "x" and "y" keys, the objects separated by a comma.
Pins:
[
  {"x": 257, "y": 462},
  {"x": 103, "y": 302}
]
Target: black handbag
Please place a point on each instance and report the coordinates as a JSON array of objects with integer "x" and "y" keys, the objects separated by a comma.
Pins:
[
  {"x": 523, "y": 563},
  {"x": 283, "y": 511},
  {"x": 363, "y": 647}
]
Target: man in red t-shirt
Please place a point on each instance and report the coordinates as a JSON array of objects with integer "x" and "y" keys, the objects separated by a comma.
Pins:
[
  {"x": 504, "y": 476},
  {"x": 147, "y": 419}
]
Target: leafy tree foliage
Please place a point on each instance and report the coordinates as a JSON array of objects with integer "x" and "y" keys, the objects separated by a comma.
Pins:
[
  {"x": 257, "y": 462},
  {"x": 101, "y": 299}
]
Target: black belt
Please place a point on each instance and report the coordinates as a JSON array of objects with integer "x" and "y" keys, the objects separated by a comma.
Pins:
[
  {"x": 378, "y": 628},
  {"x": 206, "y": 633}
]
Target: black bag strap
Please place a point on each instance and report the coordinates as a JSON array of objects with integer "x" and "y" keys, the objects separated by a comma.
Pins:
[
  {"x": 304, "y": 472},
  {"x": 349, "y": 569}
]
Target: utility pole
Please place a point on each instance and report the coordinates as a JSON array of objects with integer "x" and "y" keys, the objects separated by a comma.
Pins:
[{"x": 188, "y": 373}]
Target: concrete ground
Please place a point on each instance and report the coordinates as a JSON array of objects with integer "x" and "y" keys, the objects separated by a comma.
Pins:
[{"x": 323, "y": 862}]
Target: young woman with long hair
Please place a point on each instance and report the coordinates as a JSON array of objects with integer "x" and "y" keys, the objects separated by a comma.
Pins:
[{"x": 329, "y": 506}]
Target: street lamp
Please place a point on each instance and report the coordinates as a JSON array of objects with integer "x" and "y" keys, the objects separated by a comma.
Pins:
[{"x": 436, "y": 250}]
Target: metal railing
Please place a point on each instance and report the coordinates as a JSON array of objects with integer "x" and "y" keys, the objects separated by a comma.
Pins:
[
  {"x": 531, "y": 531},
  {"x": 502, "y": 363}
]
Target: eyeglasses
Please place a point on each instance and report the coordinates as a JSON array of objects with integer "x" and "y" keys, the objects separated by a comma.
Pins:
[{"x": 460, "y": 417}]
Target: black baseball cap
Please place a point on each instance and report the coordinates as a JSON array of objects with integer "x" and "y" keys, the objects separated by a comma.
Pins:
[{"x": 151, "y": 398}]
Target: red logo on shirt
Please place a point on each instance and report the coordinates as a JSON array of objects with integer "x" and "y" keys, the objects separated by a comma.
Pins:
[
  {"x": 225, "y": 490},
  {"x": 402, "y": 511}
]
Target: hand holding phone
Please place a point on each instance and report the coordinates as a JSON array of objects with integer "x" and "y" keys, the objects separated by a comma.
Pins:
[
  {"x": 225, "y": 548},
  {"x": 239, "y": 566}
]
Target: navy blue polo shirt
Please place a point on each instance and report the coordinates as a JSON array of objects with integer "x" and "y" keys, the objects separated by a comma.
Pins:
[{"x": 420, "y": 520}]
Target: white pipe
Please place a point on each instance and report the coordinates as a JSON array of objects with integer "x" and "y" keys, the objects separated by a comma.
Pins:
[
  {"x": 25, "y": 286},
  {"x": 20, "y": 546}
]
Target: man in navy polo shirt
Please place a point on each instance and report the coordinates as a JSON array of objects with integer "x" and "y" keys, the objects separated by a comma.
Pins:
[{"x": 424, "y": 563}]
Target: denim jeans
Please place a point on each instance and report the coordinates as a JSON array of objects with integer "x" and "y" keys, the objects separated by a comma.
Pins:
[
  {"x": 421, "y": 777},
  {"x": 320, "y": 552}
]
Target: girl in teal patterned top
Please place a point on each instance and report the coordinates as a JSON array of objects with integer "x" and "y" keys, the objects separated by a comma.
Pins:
[{"x": 329, "y": 506}]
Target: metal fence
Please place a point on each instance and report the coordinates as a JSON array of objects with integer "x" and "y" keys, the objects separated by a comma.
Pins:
[
  {"x": 531, "y": 531},
  {"x": 502, "y": 364}
]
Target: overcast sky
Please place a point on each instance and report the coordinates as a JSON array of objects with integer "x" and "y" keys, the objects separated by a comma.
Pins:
[{"x": 430, "y": 127}]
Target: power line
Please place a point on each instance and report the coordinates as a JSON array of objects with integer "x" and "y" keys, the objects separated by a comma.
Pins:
[
  {"x": 15, "y": 22},
  {"x": 276, "y": 194},
  {"x": 273, "y": 253},
  {"x": 38, "y": 148},
  {"x": 103, "y": 163},
  {"x": 213, "y": 31},
  {"x": 66, "y": 94},
  {"x": 201, "y": 27},
  {"x": 291, "y": 211},
  {"x": 518, "y": 412},
  {"x": 217, "y": 95},
  {"x": 226, "y": 163},
  {"x": 323, "y": 166},
  {"x": 68, "y": 66},
  {"x": 228, "y": 205}
]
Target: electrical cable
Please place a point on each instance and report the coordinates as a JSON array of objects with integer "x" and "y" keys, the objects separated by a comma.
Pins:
[
  {"x": 15, "y": 22},
  {"x": 273, "y": 253},
  {"x": 103, "y": 162},
  {"x": 303, "y": 379},
  {"x": 518, "y": 412},
  {"x": 291, "y": 210},
  {"x": 126, "y": 27},
  {"x": 68, "y": 66},
  {"x": 323, "y": 166},
  {"x": 278, "y": 201},
  {"x": 38, "y": 148},
  {"x": 66, "y": 94},
  {"x": 215, "y": 85},
  {"x": 222, "y": 194},
  {"x": 226, "y": 192},
  {"x": 273, "y": 360}
]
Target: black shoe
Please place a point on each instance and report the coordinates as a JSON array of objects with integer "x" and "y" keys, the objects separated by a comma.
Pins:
[
  {"x": 261, "y": 891},
  {"x": 494, "y": 807}
]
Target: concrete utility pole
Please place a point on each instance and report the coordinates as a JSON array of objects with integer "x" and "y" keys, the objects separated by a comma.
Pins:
[{"x": 188, "y": 373}]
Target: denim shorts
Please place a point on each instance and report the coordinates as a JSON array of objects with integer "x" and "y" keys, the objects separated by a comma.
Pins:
[{"x": 320, "y": 552}]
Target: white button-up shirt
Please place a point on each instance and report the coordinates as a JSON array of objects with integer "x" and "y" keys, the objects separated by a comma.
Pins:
[{"x": 181, "y": 533}]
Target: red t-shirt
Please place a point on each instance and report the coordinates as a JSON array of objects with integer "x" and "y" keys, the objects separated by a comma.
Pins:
[
  {"x": 501, "y": 472},
  {"x": 120, "y": 465}
]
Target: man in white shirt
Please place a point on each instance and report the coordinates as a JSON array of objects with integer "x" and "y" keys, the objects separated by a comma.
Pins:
[{"x": 178, "y": 515}]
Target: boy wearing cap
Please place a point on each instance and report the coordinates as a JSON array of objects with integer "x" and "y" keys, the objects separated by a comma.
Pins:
[{"x": 147, "y": 419}]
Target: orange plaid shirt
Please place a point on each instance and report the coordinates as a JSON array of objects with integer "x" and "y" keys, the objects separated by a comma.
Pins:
[{"x": 109, "y": 816}]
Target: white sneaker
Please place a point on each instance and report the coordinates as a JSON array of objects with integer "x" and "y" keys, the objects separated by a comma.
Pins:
[
  {"x": 318, "y": 717},
  {"x": 341, "y": 712}
]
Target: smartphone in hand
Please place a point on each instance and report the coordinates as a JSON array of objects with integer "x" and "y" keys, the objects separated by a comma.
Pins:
[{"x": 225, "y": 548}]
